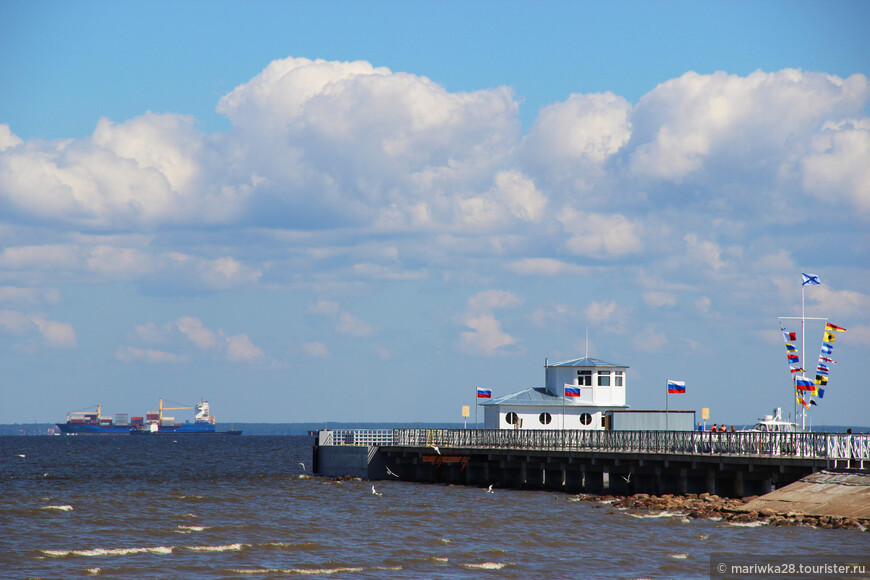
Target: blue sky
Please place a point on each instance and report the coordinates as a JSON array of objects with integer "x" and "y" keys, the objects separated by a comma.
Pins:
[{"x": 361, "y": 211}]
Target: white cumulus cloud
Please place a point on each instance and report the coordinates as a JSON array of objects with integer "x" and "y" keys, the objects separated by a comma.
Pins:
[
  {"x": 53, "y": 333},
  {"x": 485, "y": 334},
  {"x": 240, "y": 348}
]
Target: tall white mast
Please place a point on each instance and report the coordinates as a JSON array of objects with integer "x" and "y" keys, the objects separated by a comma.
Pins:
[{"x": 803, "y": 354}]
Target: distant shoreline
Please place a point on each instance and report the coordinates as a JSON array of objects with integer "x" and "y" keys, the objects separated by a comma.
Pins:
[
  {"x": 253, "y": 428},
  {"x": 302, "y": 429}
]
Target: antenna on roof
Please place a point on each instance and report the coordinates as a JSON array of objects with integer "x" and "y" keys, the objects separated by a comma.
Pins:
[{"x": 587, "y": 342}]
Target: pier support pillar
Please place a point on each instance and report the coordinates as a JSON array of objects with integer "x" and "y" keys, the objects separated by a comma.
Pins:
[
  {"x": 738, "y": 484},
  {"x": 711, "y": 481},
  {"x": 594, "y": 481}
]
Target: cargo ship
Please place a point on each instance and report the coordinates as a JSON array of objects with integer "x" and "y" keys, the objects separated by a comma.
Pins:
[{"x": 154, "y": 422}]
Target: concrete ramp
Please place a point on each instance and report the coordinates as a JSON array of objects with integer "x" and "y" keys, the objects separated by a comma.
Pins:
[{"x": 824, "y": 493}]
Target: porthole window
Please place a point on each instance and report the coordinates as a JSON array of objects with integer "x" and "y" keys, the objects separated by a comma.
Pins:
[
  {"x": 585, "y": 418},
  {"x": 545, "y": 418},
  {"x": 511, "y": 418}
]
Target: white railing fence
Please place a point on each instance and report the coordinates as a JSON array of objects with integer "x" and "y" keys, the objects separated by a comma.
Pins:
[{"x": 836, "y": 447}]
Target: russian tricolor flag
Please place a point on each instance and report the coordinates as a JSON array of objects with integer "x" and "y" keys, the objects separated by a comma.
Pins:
[
  {"x": 804, "y": 384},
  {"x": 484, "y": 393},
  {"x": 572, "y": 391},
  {"x": 676, "y": 387}
]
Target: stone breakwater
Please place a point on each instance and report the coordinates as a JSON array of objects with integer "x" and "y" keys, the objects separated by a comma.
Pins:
[{"x": 713, "y": 507}]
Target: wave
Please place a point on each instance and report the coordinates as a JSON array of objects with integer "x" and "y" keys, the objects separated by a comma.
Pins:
[
  {"x": 225, "y": 548},
  {"x": 664, "y": 514},
  {"x": 678, "y": 556},
  {"x": 108, "y": 551},
  {"x": 293, "y": 571},
  {"x": 60, "y": 508},
  {"x": 189, "y": 529},
  {"x": 293, "y": 545},
  {"x": 486, "y": 566},
  {"x": 747, "y": 524}
]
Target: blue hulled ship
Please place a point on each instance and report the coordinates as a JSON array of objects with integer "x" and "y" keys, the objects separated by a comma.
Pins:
[{"x": 153, "y": 423}]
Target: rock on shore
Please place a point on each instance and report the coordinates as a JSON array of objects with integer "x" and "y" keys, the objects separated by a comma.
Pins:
[{"x": 709, "y": 506}]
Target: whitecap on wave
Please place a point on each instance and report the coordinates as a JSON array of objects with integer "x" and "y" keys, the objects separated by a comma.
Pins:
[
  {"x": 295, "y": 571},
  {"x": 108, "y": 551},
  {"x": 678, "y": 556},
  {"x": 486, "y": 566},
  {"x": 225, "y": 548},
  {"x": 746, "y": 524},
  {"x": 658, "y": 515},
  {"x": 60, "y": 508},
  {"x": 189, "y": 529}
]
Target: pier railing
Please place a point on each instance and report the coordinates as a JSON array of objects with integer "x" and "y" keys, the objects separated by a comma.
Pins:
[
  {"x": 358, "y": 437},
  {"x": 829, "y": 446}
]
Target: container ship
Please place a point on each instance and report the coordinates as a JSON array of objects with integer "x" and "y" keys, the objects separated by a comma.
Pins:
[{"x": 154, "y": 422}]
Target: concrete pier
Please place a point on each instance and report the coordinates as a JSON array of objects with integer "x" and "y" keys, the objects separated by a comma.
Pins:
[
  {"x": 821, "y": 494},
  {"x": 596, "y": 472},
  {"x": 738, "y": 465}
]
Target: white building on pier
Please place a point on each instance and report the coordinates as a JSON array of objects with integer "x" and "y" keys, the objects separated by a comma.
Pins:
[{"x": 596, "y": 389}]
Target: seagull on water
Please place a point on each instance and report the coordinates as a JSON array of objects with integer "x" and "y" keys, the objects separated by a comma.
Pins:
[
  {"x": 390, "y": 472},
  {"x": 21, "y": 455},
  {"x": 376, "y": 492}
]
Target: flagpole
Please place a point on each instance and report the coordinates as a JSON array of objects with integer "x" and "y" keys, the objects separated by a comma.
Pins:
[
  {"x": 667, "y": 412},
  {"x": 476, "y": 405},
  {"x": 803, "y": 354}
]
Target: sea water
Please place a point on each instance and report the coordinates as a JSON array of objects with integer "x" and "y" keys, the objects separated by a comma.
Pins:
[{"x": 240, "y": 507}]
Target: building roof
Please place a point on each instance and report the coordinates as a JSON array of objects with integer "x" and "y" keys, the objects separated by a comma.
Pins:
[
  {"x": 587, "y": 362},
  {"x": 540, "y": 397}
]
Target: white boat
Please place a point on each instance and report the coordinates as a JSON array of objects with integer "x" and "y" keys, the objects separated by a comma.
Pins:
[{"x": 774, "y": 424}]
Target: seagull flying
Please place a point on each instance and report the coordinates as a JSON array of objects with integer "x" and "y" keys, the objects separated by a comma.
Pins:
[
  {"x": 435, "y": 447},
  {"x": 489, "y": 489},
  {"x": 389, "y": 472},
  {"x": 376, "y": 492},
  {"x": 303, "y": 465},
  {"x": 627, "y": 479}
]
